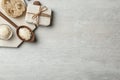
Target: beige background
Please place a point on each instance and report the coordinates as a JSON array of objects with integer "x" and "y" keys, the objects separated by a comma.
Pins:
[{"x": 82, "y": 44}]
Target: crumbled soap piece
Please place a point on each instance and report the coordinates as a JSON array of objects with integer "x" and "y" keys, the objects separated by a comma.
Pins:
[{"x": 25, "y": 33}]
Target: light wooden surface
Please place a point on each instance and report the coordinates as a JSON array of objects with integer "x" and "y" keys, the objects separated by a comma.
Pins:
[{"x": 82, "y": 44}]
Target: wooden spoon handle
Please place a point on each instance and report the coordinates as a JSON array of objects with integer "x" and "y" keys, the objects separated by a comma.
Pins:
[{"x": 8, "y": 20}]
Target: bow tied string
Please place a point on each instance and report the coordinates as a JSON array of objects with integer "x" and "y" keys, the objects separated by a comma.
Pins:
[{"x": 40, "y": 13}]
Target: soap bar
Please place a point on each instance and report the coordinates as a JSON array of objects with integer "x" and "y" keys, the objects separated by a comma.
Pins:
[{"x": 42, "y": 20}]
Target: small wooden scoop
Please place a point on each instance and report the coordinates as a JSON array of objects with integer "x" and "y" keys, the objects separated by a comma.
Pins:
[{"x": 18, "y": 28}]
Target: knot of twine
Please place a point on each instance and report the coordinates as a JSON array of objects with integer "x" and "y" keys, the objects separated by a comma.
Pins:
[{"x": 40, "y": 13}]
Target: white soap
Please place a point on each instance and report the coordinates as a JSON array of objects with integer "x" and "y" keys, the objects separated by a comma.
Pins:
[
  {"x": 42, "y": 20},
  {"x": 5, "y": 32},
  {"x": 31, "y": 10}
]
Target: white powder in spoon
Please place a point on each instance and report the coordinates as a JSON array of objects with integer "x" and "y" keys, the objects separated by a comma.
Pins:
[{"x": 25, "y": 33}]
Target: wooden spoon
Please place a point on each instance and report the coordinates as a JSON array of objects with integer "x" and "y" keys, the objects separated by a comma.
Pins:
[{"x": 18, "y": 28}]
